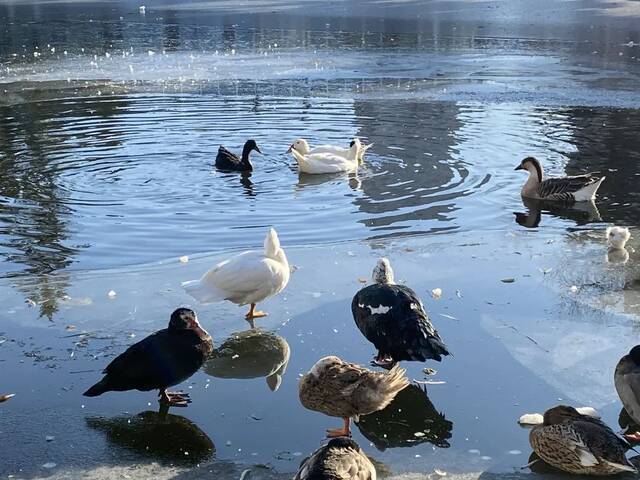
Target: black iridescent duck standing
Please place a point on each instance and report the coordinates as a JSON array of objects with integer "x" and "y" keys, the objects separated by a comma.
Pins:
[
  {"x": 161, "y": 360},
  {"x": 226, "y": 160},
  {"x": 393, "y": 318}
]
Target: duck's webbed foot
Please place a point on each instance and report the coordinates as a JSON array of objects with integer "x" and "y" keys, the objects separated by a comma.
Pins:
[
  {"x": 253, "y": 313},
  {"x": 174, "y": 399},
  {"x": 384, "y": 361},
  {"x": 345, "y": 431}
]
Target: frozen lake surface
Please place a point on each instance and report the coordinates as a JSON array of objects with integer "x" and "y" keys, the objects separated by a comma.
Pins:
[{"x": 109, "y": 125}]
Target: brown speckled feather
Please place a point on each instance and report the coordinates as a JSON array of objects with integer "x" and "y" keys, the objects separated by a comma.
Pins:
[
  {"x": 341, "y": 389},
  {"x": 340, "y": 459},
  {"x": 580, "y": 445}
]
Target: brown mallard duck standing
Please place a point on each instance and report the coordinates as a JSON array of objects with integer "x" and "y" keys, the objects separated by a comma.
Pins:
[
  {"x": 579, "y": 444},
  {"x": 340, "y": 459},
  {"x": 346, "y": 390},
  {"x": 159, "y": 361}
]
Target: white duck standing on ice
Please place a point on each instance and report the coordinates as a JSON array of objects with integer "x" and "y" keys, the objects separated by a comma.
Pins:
[
  {"x": 326, "y": 161},
  {"x": 580, "y": 188},
  {"x": 245, "y": 279},
  {"x": 302, "y": 146}
]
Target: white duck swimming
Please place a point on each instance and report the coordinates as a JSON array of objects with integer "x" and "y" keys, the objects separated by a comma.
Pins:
[
  {"x": 327, "y": 161},
  {"x": 302, "y": 146},
  {"x": 247, "y": 278}
]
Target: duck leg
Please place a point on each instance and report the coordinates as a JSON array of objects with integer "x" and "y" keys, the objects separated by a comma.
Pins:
[
  {"x": 174, "y": 399},
  {"x": 341, "y": 432},
  {"x": 253, "y": 313},
  {"x": 383, "y": 360}
]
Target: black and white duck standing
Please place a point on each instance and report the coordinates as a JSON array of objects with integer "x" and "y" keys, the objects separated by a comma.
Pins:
[
  {"x": 393, "y": 318},
  {"x": 159, "y": 361},
  {"x": 226, "y": 160},
  {"x": 579, "y": 188}
]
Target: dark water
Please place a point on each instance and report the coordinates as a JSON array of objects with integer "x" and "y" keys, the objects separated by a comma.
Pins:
[{"x": 109, "y": 123}]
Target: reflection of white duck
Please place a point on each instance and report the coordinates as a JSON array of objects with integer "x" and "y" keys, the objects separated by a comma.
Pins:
[
  {"x": 617, "y": 238},
  {"x": 302, "y": 146},
  {"x": 247, "y": 278},
  {"x": 328, "y": 162}
]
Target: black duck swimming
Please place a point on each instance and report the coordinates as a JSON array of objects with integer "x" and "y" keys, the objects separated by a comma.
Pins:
[{"x": 226, "y": 160}]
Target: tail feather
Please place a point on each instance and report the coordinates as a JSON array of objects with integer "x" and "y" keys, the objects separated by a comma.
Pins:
[
  {"x": 388, "y": 385},
  {"x": 202, "y": 293},
  {"x": 588, "y": 192},
  {"x": 363, "y": 150},
  {"x": 98, "y": 389}
]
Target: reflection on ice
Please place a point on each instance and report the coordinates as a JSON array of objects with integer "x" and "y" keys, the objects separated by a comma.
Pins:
[{"x": 251, "y": 354}]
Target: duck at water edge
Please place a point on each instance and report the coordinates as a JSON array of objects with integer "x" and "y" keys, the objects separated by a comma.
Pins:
[
  {"x": 245, "y": 279},
  {"x": 340, "y": 389},
  {"x": 393, "y": 318},
  {"x": 159, "y": 361},
  {"x": 340, "y": 459}
]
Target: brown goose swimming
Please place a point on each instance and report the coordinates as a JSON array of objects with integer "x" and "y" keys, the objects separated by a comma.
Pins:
[
  {"x": 393, "y": 318},
  {"x": 226, "y": 160},
  {"x": 580, "y": 188},
  {"x": 346, "y": 390},
  {"x": 340, "y": 459},
  {"x": 579, "y": 444},
  {"x": 159, "y": 361}
]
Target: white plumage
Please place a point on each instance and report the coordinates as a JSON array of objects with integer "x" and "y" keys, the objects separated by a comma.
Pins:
[
  {"x": 617, "y": 237},
  {"x": 247, "y": 278},
  {"x": 327, "y": 161},
  {"x": 302, "y": 146}
]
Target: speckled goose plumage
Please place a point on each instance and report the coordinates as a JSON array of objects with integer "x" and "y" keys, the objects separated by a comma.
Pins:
[
  {"x": 627, "y": 382},
  {"x": 340, "y": 459},
  {"x": 340, "y": 389},
  {"x": 393, "y": 318},
  {"x": 579, "y": 188},
  {"x": 579, "y": 444}
]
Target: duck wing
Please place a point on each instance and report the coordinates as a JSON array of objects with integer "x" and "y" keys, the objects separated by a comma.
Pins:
[
  {"x": 323, "y": 163},
  {"x": 373, "y": 391},
  {"x": 158, "y": 361},
  {"x": 226, "y": 159},
  {"x": 247, "y": 277},
  {"x": 340, "y": 459},
  {"x": 628, "y": 387},
  {"x": 393, "y": 318},
  {"x": 605, "y": 445},
  {"x": 563, "y": 188},
  {"x": 332, "y": 149}
]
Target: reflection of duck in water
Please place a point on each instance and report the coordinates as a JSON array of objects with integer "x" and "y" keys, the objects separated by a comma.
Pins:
[
  {"x": 581, "y": 213},
  {"x": 159, "y": 436},
  {"x": 341, "y": 389},
  {"x": 580, "y": 188},
  {"x": 409, "y": 420},
  {"x": 162, "y": 360},
  {"x": 579, "y": 444},
  {"x": 251, "y": 354},
  {"x": 340, "y": 459}
]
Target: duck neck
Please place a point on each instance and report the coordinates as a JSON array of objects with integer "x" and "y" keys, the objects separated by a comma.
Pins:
[
  {"x": 245, "y": 156},
  {"x": 532, "y": 183}
]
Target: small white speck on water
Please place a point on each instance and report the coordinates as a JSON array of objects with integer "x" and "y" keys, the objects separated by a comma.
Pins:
[
  {"x": 335, "y": 330},
  {"x": 50, "y": 465},
  {"x": 49, "y": 438},
  {"x": 485, "y": 457},
  {"x": 475, "y": 451},
  {"x": 228, "y": 443},
  {"x": 440, "y": 473},
  {"x": 418, "y": 455},
  {"x": 574, "y": 289},
  {"x": 184, "y": 259},
  {"x": 111, "y": 294},
  {"x": 436, "y": 293},
  {"x": 515, "y": 452},
  {"x": 418, "y": 434}
]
